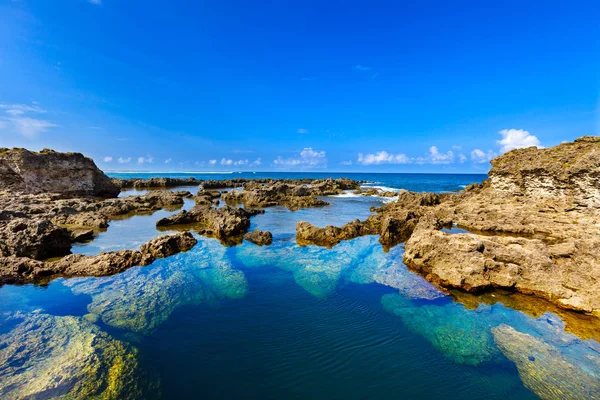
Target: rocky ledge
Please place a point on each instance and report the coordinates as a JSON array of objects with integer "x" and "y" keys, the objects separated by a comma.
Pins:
[
  {"x": 292, "y": 194},
  {"x": 22, "y": 269},
  {"x": 136, "y": 183},
  {"x": 533, "y": 227}
]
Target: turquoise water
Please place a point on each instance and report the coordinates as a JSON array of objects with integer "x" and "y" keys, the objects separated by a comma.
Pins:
[{"x": 286, "y": 321}]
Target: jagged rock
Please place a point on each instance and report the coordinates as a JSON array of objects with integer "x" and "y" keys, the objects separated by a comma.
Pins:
[
  {"x": 23, "y": 269},
  {"x": 259, "y": 237},
  {"x": 167, "y": 245},
  {"x": 329, "y": 236},
  {"x": 82, "y": 235},
  {"x": 227, "y": 224},
  {"x": 48, "y": 171},
  {"x": 34, "y": 238},
  {"x": 545, "y": 369},
  {"x": 138, "y": 183}
]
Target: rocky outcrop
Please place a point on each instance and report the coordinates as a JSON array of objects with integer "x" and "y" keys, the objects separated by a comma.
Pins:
[
  {"x": 33, "y": 237},
  {"x": 47, "y": 171},
  {"x": 534, "y": 227},
  {"x": 137, "y": 183},
  {"x": 22, "y": 269},
  {"x": 259, "y": 237},
  {"x": 227, "y": 224},
  {"x": 294, "y": 195}
]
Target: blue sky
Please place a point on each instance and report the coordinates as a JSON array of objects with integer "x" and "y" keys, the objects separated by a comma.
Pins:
[{"x": 297, "y": 85}]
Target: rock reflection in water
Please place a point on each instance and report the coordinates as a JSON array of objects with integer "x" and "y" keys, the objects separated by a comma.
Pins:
[
  {"x": 44, "y": 356},
  {"x": 140, "y": 299},
  {"x": 319, "y": 270}
]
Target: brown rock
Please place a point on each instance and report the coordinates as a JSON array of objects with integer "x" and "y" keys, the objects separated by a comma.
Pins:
[
  {"x": 47, "y": 171},
  {"x": 259, "y": 237}
]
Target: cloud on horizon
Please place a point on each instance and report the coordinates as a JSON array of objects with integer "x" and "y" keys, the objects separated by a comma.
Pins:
[{"x": 308, "y": 158}]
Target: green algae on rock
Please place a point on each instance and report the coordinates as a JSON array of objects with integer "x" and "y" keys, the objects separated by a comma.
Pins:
[
  {"x": 45, "y": 356},
  {"x": 549, "y": 371}
]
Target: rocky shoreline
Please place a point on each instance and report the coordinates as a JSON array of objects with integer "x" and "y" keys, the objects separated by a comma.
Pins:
[{"x": 533, "y": 227}]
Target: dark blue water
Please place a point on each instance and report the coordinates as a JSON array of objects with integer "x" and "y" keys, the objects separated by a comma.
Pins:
[{"x": 286, "y": 321}]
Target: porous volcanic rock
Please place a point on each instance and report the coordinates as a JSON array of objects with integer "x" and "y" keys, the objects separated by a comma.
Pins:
[
  {"x": 138, "y": 183},
  {"x": 33, "y": 237},
  {"x": 48, "y": 171},
  {"x": 227, "y": 224},
  {"x": 259, "y": 237},
  {"x": 23, "y": 269}
]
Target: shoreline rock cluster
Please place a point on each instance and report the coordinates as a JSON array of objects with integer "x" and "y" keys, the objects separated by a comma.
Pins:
[{"x": 533, "y": 227}]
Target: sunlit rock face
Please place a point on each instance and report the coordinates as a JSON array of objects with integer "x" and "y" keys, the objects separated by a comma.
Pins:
[
  {"x": 140, "y": 299},
  {"x": 49, "y": 171},
  {"x": 44, "y": 356},
  {"x": 569, "y": 369}
]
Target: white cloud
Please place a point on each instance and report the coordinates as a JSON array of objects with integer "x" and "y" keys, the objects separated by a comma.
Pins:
[
  {"x": 225, "y": 161},
  {"x": 122, "y": 160},
  {"x": 108, "y": 159},
  {"x": 308, "y": 158},
  {"x": 302, "y": 131},
  {"x": 517, "y": 139},
  {"x": 96, "y": 2},
  {"x": 457, "y": 147},
  {"x": 440, "y": 158},
  {"x": 361, "y": 68},
  {"x": 142, "y": 160},
  {"x": 256, "y": 162},
  {"x": 346, "y": 162},
  {"x": 21, "y": 123},
  {"x": 31, "y": 127},
  {"x": 461, "y": 157},
  {"x": 168, "y": 160},
  {"x": 212, "y": 162},
  {"x": 382, "y": 157},
  {"x": 479, "y": 156}
]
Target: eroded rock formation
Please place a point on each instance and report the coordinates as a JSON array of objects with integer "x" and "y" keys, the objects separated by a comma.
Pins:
[
  {"x": 48, "y": 171},
  {"x": 534, "y": 227}
]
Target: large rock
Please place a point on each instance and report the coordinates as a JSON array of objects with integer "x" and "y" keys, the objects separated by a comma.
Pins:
[
  {"x": 48, "y": 171},
  {"x": 138, "y": 183},
  {"x": 34, "y": 238},
  {"x": 227, "y": 224},
  {"x": 259, "y": 237}
]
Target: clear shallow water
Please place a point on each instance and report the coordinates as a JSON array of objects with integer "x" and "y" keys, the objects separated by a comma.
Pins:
[{"x": 297, "y": 322}]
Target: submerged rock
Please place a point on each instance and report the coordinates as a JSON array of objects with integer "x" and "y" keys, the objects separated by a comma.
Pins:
[
  {"x": 48, "y": 171},
  {"x": 259, "y": 237},
  {"x": 44, "y": 356},
  {"x": 141, "y": 299},
  {"x": 547, "y": 370}
]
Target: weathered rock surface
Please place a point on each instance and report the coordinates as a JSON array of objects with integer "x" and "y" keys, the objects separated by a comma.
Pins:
[
  {"x": 137, "y": 183},
  {"x": 294, "y": 195},
  {"x": 47, "y": 171},
  {"x": 227, "y": 224},
  {"x": 33, "y": 237},
  {"x": 259, "y": 237},
  {"x": 22, "y": 269},
  {"x": 533, "y": 228}
]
